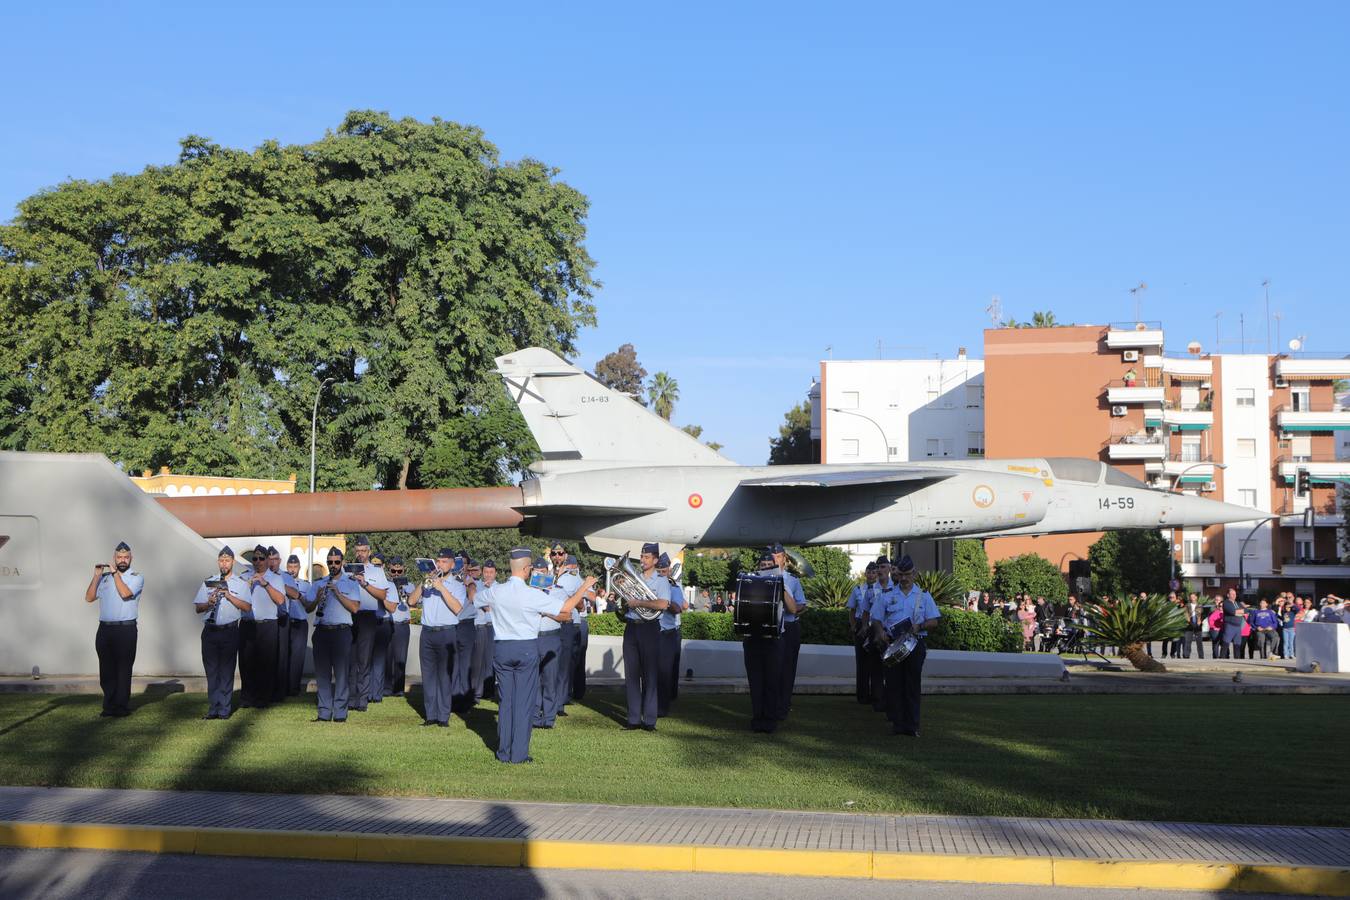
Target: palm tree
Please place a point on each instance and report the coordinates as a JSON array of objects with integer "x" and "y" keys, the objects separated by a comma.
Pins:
[
  {"x": 1132, "y": 622},
  {"x": 1043, "y": 320},
  {"x": 662, "y": 394}
]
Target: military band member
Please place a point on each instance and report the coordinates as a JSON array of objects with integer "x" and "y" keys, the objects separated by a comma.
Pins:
[
  {"x": 333, "y": 599},
  {"x": 908, "y": 608},
  {"x": 374, "y": 588},
  {"x": 641, "y": 646},
  {"x": 384, "y": 631},
  {"x": 221, "y": 606},
  {"x": 297, "y": 589},
  {"x": 859, "y": 608},
  {"x": 117, "y": 589},
  {"x": 668, "y": 648},
  {"x": 763, "y": 662},
  {"x": 582, "y": 636},
  {"x": 550, "y": 645},
  {"x": 794, "y": 604},
  {"x": 876, "y": 684},
  {"x": 283, "y": 627},
  {"x": 267, "y": 594},
  {"x": 396, "y": 663},
  {"x": 565, "y": 581},
  {"x": 517, "y": 611},
  {"x": 480, "y": 666},
  {"x": 441, "y": 606},
  {"x": 466, "y": 633}
]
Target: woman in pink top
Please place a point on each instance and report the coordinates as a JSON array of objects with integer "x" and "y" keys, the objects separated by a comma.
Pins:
[
  {"x": 1027, "y": 615},
  {"x": 1216, "y": 626}
]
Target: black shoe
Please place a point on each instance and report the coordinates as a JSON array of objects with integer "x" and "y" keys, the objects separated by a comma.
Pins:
[
  {"x": 320, "y": 720},
  {"x": 562, "y": 712},
  {"x": 649, "y": 727},
  {"x": 442, "y": 724},
  {"x": 907, "y": 732},
  {"x": 631, "y": 726},
  {"x": 106, "y": 714},
  {"x": 428, "y": 723},
  {"x": 121, "y": 714},
  {"x": 210, "y": 716},
  {"x": 339, "y": 721}
]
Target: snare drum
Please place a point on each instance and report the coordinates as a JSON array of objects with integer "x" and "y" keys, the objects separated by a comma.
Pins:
[{"x": 758, "y": 610}]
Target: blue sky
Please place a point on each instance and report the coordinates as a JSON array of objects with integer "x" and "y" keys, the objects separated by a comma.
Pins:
[{"x": 769, "y": 180}]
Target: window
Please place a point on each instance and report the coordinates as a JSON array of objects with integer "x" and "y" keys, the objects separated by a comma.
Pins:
[
  {"x": 975, "y": 443},
  {"x": 850, "y": 446},
  {"x": 890, "y": 451},
  {"x": 1190, "y": 547},
  {"x": 1300, "y": 398},
  {"x": 1247, "y": 497},
  {"x": 948, "y": 446},
  {"x": 1300, "y": 448},
  {"x": 932, "y": 448},
  {"x": 1246, "y": 397},
  {"x": 974, "y": 396},
  {"x": 1303, "y": 546},
  {"x": 1246, "y": 448},
  {"x": 1190, "y": 396},
  {"x": 848, "y": 400},
  {"x": 1190, "y": 448}
]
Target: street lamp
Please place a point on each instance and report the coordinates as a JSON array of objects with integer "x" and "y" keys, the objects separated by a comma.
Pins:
[
  {"x": 313, "y": 431},
  {"x": 886, "y": 444}
]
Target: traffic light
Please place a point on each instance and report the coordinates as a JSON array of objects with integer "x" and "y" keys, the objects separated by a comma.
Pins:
[{"x": 1301, "y": 483}]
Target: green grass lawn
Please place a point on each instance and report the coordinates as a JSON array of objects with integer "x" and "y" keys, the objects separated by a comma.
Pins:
[{"x": 1253, "y": 759}]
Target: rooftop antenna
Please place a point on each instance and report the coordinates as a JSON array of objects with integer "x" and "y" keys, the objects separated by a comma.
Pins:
[
  {"x": 995, "y": 310},
  {"x": 1265, "y": 283},
  {"x": 1217, "y": 316},
  {"x": 1137, "y": 291},
  {"x": 1278, "y": 317}
]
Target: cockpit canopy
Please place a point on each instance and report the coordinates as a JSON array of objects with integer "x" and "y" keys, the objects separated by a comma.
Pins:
[{"x": 1090, "y": 471}]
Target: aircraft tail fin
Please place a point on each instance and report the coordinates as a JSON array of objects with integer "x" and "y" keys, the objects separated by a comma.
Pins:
[{"x": 579, "y": 423}]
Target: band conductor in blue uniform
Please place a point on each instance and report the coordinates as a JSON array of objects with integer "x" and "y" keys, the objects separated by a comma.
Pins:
[{"x": 117, "y": 590}]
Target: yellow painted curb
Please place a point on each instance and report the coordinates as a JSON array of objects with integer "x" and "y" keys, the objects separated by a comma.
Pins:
[
  {"x": 455, "y": 850},
  {"x": 439, "y": 850},
  {"x": 819, "y": 863},
  {"x": 951, "y": 867},
  {"x": 586, "y": 855}
]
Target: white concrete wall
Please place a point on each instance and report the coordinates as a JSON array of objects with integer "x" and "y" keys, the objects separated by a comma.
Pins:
[{"x": 1238, "y": 372}]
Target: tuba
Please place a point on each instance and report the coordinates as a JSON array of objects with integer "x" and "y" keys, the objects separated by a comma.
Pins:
[{"x": 624, "y": 584}]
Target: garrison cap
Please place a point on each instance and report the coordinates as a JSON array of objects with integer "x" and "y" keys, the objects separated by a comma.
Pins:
[
  {"x": 362, "y": 540},
  {"x": 653, "y": 549},
  {"x": 273, "y": 551},
  {"x": 489, "y": 564},
  {"x": 904, "y": 564},
  {"x": 395, "y": 560},
  {"x": 663, "y": 561},
  {"x": 225, "y": 551},
  {"x": 334, "y": 551},
  {"x": 292, "y": 559},
  {"x": 540, "y": 562},
  {"x": 557, "y": 545},
  {"x": 445, "y": 553},
  {"x": 122, "y": 546},
  {"x": 522, "y": 553},
  {"x": 376, "y": 557},
  {"x": 258, "y": 551},
  {"x": 765, "y": 555},
  {"x": 883, "y": 561},
  {"x": 871, "y": 567},
  {"x": 776, "y": 547},
  {"x": 572, "y": 560}
]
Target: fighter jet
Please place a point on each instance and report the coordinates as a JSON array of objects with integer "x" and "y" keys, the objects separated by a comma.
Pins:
[{"x": 615, "y": 474}]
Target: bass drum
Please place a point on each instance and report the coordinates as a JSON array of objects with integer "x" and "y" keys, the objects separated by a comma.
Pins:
[{"x": 758, "y": 609}]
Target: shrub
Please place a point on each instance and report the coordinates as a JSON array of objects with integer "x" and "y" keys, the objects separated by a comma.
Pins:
[
  {"x": 964, "y": 630},
  {"x": 942, "y": 587},
  {"x": 826, "y": 626},
  {"x": 829, "y": 591},
  {"x": 1032, "y": 574},
  {"x": 829, "y": 562},
  {"x": 970, "y": 565},
  {"x": 705, "y": 626},
  {"x": 1127, "y": 562},
  {"x": 702, "y": 571},
  {"x": 1131, "y": 622}
]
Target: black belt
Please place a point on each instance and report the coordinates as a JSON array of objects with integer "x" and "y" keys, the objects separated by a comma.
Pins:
[
  {"x": 332, "y": 626},
  {"x": 219, "y": 627},
  {"x": 120, "y": 622},
  {"x": 438, "y": 627}
]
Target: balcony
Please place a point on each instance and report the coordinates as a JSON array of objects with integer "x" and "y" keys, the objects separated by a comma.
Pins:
[
  {"x": 1192, "y": 472},
  {"x": 1136, "y": 447},
  {"x": 1322, "y": 469},
  {"x": 1188, "y": 368},
  {"x": 1326, "y": 514},
  {"x": 1333, "y": 419},
  {"x": 1302, "y": 567},
  {"x": 1134, "y": 335},
  {"x": 1127, "y": 391},
  {"x": 1308, "y": 369},
  {"x": 1203, "y": 568},
  {"x": 1196, "y": 419}
]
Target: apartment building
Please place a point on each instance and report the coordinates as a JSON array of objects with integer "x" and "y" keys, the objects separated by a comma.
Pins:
[
  {"x": 894, "y": 410},
  {"x": 1237, "y": 427}
]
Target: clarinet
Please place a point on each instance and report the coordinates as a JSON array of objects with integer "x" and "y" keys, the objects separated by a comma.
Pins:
[{"x": 219, "y": 594}]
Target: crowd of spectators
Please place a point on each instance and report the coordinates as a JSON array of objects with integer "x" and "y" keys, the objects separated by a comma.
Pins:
[{"x": 1267, "y": 626}]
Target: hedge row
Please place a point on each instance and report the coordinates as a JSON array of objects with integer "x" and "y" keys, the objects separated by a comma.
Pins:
[{"x": 959, "y": 629}]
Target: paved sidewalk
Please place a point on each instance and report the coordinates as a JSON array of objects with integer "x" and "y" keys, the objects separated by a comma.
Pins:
[{"x": 769, "y": 829}]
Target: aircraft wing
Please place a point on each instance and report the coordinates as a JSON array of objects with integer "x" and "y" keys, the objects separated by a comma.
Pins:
[
  {"x": 842, "y": 476},
  {"x": 584, "y": 509}
]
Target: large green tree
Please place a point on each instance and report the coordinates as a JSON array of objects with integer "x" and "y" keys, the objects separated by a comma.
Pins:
[
  {"x": 1127, "y": 562},
  {"x": 186, "y": 315},
  {"x": 1030, "y": 573},
  {"x": 970, "y": 565}
]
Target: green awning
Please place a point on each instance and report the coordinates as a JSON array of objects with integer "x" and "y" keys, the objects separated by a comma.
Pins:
[
  {"x": 1196, "y": 479},
  {"x": 1191, "y": 426},
  {"x": 1321, "y": 479},
  {"x": 1330, "y": 427}
]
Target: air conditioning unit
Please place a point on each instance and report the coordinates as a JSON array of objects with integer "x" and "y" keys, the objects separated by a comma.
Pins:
[
  {"x": 1212, "y": 582},
  {"x": 1130, "y": 356},
  {"x": 1119, "y": 410},
  {"x": 1208, "y": 486},
  {"x": 1281, "y": 382}
]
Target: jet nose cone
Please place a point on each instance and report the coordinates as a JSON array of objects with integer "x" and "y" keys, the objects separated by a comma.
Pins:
[{"x": 1184, "y": 510}]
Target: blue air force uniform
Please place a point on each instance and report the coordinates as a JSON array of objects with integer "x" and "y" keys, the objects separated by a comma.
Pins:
[
  {"x": 333, "y": 644},
  {"x": 904, "y": 682},
  {"x": 396, "y": 661},
  {"x": 384, "y": 634},
  {"x": 860, "y": 604},
  {"x": 517, "y": 611},
  {"x": 258, "y": 640},
  {"x": 668, "y": 646},
  {"x": 436, "y": 649},
  {"x": 115, "y": 641},
  {"x": 466, "y": 634},
  {"x": 641, "y": 655},
  {"x": 365, "y": 624},
  {"x": 297, "y": 637},
  {"x": 220, "y": 641},
  {"x": 763, "y": 656},
  {"x": 480, "y": 666},
  {"x": 580, "y": 642},
  {"x": 550, "y": 651},
  {"x": 791, "y": 642}
]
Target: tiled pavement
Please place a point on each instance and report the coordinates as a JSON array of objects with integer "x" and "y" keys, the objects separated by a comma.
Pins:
[{"x": 1053, "y": 838}]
